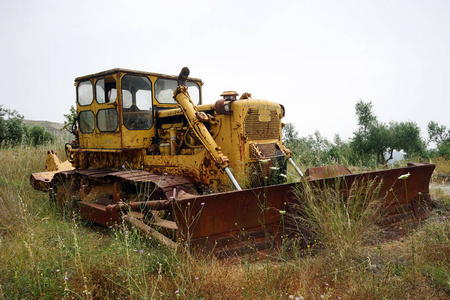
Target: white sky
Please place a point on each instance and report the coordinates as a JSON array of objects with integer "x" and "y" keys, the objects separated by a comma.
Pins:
[{"x": 317, "y": 58}]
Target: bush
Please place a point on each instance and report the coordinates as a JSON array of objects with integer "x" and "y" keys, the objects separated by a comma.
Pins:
[{"x": 37, "y": 135}]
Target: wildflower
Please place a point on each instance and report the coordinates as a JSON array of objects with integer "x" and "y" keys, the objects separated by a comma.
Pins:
[
  {"x": 291, "y": 296},
  {"x": 404, "y": 176},
  {"x": 203, "y": 203},
  {"x": 196, "y": 278},
  {"x": 282, "y": 212},
  {"x": 444, "y": 217},
  {"x": 177, "y": 291},
  {"x": 171, "y": 198},
  {"x": 142, "y": 251},
  {"x": 165, "y": 174},
  {"x": 123, "y": 166}
]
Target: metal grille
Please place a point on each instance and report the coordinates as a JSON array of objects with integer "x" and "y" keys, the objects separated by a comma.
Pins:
[
  {"x": 265, "y": 151},
  {"x": 261, "y": 126}
]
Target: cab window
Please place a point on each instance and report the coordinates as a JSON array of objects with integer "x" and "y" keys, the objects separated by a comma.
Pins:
[
  {"x": 164, "y": 89},
  {"x": 137, "y": 102},
  {"x": 107, "y": 119},
  {"x": 85, "y": 93},
  {"x": 105, "y": 90},
  {"x": 86, "y": 120}
]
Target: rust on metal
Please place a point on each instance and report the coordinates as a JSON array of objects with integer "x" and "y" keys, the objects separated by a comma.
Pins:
[{"x": 327, "y": 172}]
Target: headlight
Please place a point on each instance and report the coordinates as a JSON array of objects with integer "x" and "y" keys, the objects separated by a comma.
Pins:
[{"x": 223, "y": 106}]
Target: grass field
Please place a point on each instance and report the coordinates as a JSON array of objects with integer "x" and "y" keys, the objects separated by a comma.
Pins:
[{"x": 48, "y": 253}]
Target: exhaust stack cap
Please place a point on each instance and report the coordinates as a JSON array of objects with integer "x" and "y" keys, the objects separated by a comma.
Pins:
[
  {"x": 183, "y": 76},
  {"x": 229, "y": 95}
]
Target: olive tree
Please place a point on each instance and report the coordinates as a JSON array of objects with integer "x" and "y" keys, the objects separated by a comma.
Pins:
[
  {"x": 440, "y": 135},
  {"x": 375, "y": 139}
]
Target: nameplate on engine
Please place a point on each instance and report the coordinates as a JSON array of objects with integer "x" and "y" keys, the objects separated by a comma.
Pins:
[{"x": 264, "y": 115}]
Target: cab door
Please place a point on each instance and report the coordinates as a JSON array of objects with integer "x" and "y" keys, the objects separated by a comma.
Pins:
[
  {"x": 98, "y": 115},
  {"x": 137, "y": 111},
  {"x": 107, "y": 113}
]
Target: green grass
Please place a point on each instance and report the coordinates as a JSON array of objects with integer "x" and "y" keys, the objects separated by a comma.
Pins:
[{"x": 48, "y": 254}]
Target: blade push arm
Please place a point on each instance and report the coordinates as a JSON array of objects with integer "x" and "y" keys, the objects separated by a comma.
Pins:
[{"x": 195, "y": 120}]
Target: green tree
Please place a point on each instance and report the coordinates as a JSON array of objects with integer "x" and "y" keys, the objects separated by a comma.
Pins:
[
  {"x": 289, "y": 133},
  {"x": 365, "y": 115},
  {"x": 374, "y": 139},
  {"x": 440, "y": 135},
  {"x": 70, "y": 119},
  {"x": 406, "y": 137},
  {"x": 12, "y": 129}
]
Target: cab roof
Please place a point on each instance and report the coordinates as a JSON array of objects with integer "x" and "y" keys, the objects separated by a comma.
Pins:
[{"x": 128, "y": 71}]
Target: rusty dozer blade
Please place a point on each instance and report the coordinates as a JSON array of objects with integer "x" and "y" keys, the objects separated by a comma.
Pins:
[
  {"x": 240, "y": 221},
  {"x": 250, "y": 220}
]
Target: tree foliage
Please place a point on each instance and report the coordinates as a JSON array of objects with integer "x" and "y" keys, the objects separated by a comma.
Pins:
[
  {"x": 440, "y": 135},
  {"x": 314, "y": 149},
  {"x": 37, "y": 135},
  {"x": 289, "y": 133},
  {"x": 373, "y": 142},
  {"x": 70, "y": 119},
  {"x": 13, "y": 131},
  {"x": 376, "y": 139}
]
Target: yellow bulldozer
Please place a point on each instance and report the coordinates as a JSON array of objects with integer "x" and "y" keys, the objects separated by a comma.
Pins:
[{"x": 149, "y": 152}]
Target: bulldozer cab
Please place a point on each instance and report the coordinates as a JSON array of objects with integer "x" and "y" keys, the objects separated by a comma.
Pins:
[{"x": 117, "y": 108}]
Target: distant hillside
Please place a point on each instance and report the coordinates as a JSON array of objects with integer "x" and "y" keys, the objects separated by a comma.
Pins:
[{"x": 53, "y": 128}]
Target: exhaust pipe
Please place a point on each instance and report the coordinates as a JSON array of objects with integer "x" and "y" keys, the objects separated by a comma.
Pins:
[{"x": 183, "y": 76}]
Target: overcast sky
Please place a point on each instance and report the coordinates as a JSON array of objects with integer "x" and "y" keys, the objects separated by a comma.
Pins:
[{"x": 317, "y": 58}]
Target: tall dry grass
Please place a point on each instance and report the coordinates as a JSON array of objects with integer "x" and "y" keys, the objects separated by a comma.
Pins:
[
  {"x": 46, "y": 253},
  {"x": 340, "y": 219}
]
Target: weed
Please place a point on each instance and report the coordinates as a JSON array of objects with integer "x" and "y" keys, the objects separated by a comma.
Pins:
[{"x": 341, "y": 219}]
